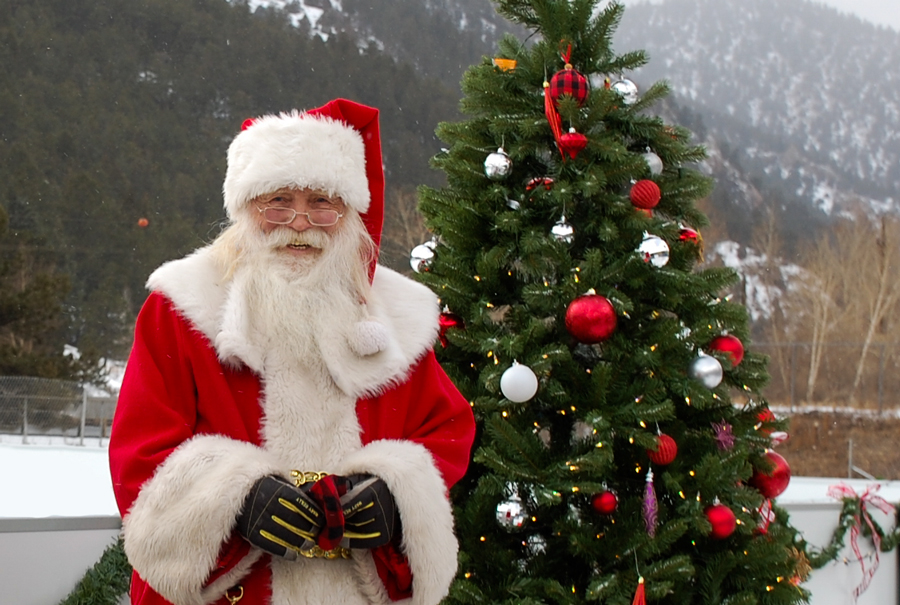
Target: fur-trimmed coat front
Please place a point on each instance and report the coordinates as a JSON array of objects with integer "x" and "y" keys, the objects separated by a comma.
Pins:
[{"x": 200, "y": 418}]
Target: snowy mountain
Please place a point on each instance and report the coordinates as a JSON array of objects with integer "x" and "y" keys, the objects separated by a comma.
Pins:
[
  {"x": 791, "y": 95},
  {"x": 798, "y": 92}
]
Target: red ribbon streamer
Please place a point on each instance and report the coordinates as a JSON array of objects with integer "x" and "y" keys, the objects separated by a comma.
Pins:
[{"x": 843, "y": 491}]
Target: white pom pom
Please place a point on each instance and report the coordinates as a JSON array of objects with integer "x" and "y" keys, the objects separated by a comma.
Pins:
[{"x": 369, "y": 337}]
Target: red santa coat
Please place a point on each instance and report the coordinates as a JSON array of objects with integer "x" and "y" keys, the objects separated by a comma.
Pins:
[{"x": 202, "y": 415}]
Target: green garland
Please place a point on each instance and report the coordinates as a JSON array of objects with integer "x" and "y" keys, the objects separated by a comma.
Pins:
[
  {"x": 851, "y": 513},
  {"x": 106, "y": 582}
]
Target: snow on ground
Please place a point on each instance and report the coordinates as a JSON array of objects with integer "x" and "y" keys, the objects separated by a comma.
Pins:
[{"x": 54, "y": 477}]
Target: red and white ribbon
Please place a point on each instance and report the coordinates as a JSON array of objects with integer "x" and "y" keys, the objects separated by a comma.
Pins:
[{"x": 843, "y": 491}]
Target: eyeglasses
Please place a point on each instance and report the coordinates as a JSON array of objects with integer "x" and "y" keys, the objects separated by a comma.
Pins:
[{"x": 280, "y": 215}]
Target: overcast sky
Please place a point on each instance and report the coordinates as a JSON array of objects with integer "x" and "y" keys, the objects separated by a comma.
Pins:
[{"x": 880, "y": 12}]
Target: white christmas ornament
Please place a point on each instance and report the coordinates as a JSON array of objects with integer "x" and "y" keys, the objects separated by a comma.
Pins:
[
  {"x": 654, "y": 250},
  {"x": 497, "y": 165},
  {"x": 654, "y": 162},
  {"x": 627, "y": 89},
  {"x": 707, "y": 370},
  {"x": 421, "y": 256},
  {"x": 518, "y": 383}
]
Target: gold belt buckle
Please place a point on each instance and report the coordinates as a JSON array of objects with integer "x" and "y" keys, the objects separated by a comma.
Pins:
[
  {"x": 301, "y": 478},
  {"x": 338, "y": 552}
]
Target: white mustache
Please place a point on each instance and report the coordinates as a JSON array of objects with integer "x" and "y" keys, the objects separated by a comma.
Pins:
[{"x": 311, "y": 237}]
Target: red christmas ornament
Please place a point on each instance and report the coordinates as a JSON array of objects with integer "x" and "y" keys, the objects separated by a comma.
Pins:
[
  {"x": 765, "y": 417},
  {"x": 590, "y": 318},
  {"x": 572, "y": 143},
  {"x": 143, "y": 222},
  {"x": 568, "y": 81},
  {"x": 686, "y": 234},
  {"x": 722, "y": 519},
  {"x": 728, "y": 344},
  {"x": 645, "y": 194},
  {"x": 447, "y": 321},
  {"x": 666, "y": 450},
  {"x": 772, "y": 483},
  {"x": 605, "y": 502}
]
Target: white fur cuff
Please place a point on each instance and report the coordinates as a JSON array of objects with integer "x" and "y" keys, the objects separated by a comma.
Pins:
[
  {"x": 186, "y": 511},
  {"x": 425, "y": 512}
]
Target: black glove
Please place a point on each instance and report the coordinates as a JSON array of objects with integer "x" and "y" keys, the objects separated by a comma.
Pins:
[
  {"x": 370, "y": 514},
  {"x": 280, "y": 518}
]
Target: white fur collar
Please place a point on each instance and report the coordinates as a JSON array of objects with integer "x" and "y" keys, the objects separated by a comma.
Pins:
[{"x": 198, "y": 289}]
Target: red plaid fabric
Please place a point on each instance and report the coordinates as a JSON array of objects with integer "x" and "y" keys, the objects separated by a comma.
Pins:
[
  {"x": 327, "y": 493},
  {"x": 568, "y": 82}
]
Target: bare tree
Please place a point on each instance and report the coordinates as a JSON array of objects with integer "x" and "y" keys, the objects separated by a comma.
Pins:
[
  {"x": 814, "y": 300},
  {"x": 404, "y": 228},
  {"x": 874, "y": 279}
]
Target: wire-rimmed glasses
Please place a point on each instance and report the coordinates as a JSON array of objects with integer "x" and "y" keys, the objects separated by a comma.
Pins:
[{"x": 281, "y": 215}]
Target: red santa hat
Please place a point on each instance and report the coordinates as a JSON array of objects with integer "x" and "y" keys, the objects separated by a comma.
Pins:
[{"x": 335, "y": 148}]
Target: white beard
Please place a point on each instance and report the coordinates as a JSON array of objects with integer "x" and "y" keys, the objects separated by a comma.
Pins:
[{"x": 297, "y": 304}]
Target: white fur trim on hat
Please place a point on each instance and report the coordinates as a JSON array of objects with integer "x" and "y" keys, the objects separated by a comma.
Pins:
[{"x": 296, "y": 150}]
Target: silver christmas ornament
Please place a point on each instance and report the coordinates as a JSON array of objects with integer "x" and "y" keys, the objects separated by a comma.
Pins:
[
  {"x": 497, "y": 165},
  {"x": 654, "y": 250},
  {"x": 421, "y": 256},
  {"x": 707, "y": 370},
  {"x": 563, "y": 231},
  {"x": 654, "y": 162},
  {"x": 511, "y": 513},
  {"x": 513, "y": 204},
  {"x": 627, "y": 89}
]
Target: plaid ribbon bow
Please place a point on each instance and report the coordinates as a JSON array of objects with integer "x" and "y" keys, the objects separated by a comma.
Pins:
[{"x": 843, "y": 491}]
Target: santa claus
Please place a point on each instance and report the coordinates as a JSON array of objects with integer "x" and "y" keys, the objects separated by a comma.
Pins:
[{"x": 284, "y": 433}]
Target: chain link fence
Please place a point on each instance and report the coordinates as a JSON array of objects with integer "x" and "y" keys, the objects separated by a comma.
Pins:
[
  {"x": 39, "y": 406},
  {"x": 838, "y": 375}
]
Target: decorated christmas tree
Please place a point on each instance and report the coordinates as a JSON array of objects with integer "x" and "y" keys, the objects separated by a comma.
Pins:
[{"x": 624, "y": 445}]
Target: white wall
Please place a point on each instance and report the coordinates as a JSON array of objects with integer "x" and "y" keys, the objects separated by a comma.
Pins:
[{"x": 43, "y": 559}]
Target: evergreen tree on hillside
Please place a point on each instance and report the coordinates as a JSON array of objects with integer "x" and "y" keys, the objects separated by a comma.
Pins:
[
  {"x": 115, "y": 117},
  {"x": 623, "y": 450},
  {"x": 31, "y": 313}
]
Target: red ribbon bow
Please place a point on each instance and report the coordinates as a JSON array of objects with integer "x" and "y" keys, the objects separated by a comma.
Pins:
[{"x": 843, "y": 491}]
